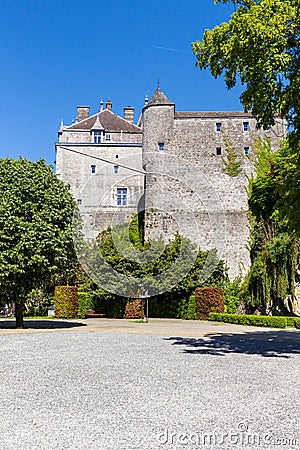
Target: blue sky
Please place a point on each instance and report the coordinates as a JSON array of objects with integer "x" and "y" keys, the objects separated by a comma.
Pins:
[{"x": 60, "y": 54}]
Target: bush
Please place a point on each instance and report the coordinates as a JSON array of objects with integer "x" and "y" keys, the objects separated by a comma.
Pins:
[
  {"x": 191, "y": 313},
  {"x": 207, "y": 300},
  {"x": 232, "y": 290},
  {"x": 258, "y": 321},
  {"x": 85, "y": 301},
  {"x": 134, "y": 309},
  {"x": 66, "y": 301}
]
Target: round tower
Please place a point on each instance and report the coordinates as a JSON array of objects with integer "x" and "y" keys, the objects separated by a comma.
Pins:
[
  {"x": 158, "y": 121},
  {"x": 158, "y": 124}
]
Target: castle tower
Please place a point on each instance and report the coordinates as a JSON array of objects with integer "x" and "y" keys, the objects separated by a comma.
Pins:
[
  {"x": 158, "y": 119},
  {"x": 158, "y": 122}
]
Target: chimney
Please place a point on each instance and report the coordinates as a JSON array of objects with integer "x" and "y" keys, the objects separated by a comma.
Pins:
[
  {"x": 82, "y": 113},
  {"x": 129, "y": 114},
  {"x": 108, "y": 105},
  {"x": 101, "y": 105}
]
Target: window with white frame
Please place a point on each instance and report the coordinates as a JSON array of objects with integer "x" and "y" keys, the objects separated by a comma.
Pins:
[
  {"x": 97, "y": 137},
  {"x": 116, "y": 169},
  {"x": 161, "y": 146},
  {"x": 79, "y": 201},
  {"x": 107, "y": 137},
  {"x": 121, "y": 196},
  {"x": 93, "y": 168},
  {"x": 218, "y": 126},
  {"x": 246, "y": 150}
]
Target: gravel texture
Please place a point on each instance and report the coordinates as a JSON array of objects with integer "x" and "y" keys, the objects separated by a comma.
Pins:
[{"x": 110, "y": 391}]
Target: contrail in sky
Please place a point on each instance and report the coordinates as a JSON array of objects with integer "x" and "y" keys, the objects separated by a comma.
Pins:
[{"x": 171, "y": 49}]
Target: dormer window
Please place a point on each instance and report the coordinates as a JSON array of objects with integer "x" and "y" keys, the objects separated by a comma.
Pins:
[{"x": 97, "y": 137}]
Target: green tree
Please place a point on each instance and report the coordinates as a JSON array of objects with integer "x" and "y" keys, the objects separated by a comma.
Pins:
[
  {"x": 274, "y": 248},
  {"x": 36, "y": 246},
  {"x": 260, "y": 46},
  {"x": 162, "y": 258}
]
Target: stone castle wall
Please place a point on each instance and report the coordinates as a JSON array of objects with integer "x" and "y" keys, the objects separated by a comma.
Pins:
[
  {"x": 187, "y": 189},
  {"x": 96, "y": 193}
]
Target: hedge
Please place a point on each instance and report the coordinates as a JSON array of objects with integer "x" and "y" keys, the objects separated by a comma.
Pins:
[
  {"x": 66, "y": 301},
  {"x": 134, "y": 309},
  {"x": 258, "y": 321},
  {"x": 85, "y": 301},
  {"x": 207, "y": 300}
]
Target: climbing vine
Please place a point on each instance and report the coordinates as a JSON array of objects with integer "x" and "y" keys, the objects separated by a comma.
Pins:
[{"x": 232, "y": 166}]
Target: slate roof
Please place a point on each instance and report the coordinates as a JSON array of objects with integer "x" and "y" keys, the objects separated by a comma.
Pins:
[
  {"x": 159, "y": 98},
  {"x": 109, "y": 121},
  {"x": 212, "y": 114}
]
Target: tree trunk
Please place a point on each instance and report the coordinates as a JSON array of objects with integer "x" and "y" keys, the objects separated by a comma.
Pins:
[{"x": 19, "y": 315}]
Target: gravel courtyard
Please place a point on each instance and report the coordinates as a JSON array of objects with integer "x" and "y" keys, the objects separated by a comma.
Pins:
[{"x": 112, "y": 391}]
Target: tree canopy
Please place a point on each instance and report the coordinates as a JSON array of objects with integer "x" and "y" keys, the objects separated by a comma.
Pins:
[
  {"x": 260, "y": 46},
  {"x": 36, "y": 246},
  {"x": 122, "y": 265}
]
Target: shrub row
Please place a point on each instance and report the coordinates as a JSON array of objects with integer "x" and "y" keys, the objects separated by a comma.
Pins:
[{"x": 258, "y": 321}]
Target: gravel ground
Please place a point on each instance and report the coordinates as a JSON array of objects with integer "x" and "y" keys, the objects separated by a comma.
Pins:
[{"x": 110, "y": 391}]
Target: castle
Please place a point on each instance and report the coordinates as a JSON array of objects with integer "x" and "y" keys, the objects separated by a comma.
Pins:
[{"x": 170, "y": 164}]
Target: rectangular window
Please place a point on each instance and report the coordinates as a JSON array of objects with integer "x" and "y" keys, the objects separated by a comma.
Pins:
[
  {"x": 246, "y": 150},
  {"x": 79, "y": 201},
  {"x": 121, "y": 196},
  {"x": 97, "y": 137},
  {"x": 218, "y": 126},
  {"x": 116, "y": 169},
  {"x": 161, "y": 146},
  {"x": 218, "y": 151},
  {"x": 107, "y": 137},
  {"x": 246, "y": 126},
  {"x": 93, "y": 168}
]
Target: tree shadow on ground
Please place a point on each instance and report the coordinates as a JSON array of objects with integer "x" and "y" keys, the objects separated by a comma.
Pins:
[
  {"x": 281, "y": 344},
  {"x": 41, "y": 324}
]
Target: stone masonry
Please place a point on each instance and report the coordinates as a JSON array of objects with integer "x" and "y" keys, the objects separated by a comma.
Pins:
[{"x": 171, "y": 163}]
